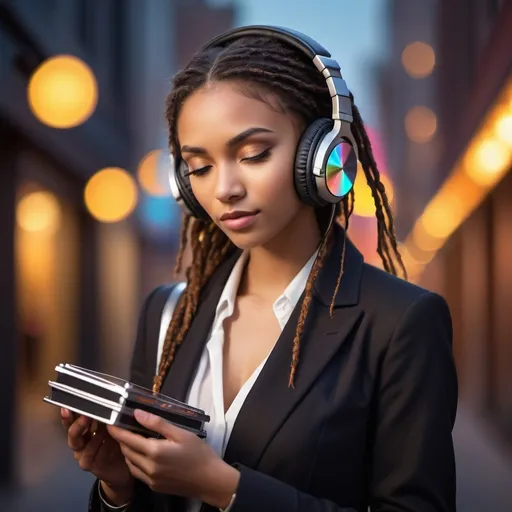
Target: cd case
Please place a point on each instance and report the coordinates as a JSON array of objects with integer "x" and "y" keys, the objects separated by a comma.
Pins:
[{"x": 112, "y": 401}]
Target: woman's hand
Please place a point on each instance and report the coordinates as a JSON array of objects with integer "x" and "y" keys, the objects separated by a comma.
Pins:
[
  {"x": 180, "y": 464},
  {"x": 96, "y": 452}
]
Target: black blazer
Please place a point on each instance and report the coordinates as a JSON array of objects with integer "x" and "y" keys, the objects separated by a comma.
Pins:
[{"x": 369, "y": 423}]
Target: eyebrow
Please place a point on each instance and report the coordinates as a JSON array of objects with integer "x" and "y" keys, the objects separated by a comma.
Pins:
[{"x": 234, "y": 141}]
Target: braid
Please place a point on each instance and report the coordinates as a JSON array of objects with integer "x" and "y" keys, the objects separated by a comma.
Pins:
[
  {"x": 209, "y": 249},
  {"x": 386, "y": 239},
  {"x": 263, "y": 64}
]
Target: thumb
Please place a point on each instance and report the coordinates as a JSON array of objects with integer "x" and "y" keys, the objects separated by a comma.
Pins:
[{"x": 157, "y": 424}]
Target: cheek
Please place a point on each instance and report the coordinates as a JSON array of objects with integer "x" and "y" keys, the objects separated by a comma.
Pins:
[
  {"x": 281, "y": 187},
  {"x": 204, "y": 191},
  {"x": 280, "y": 193}
]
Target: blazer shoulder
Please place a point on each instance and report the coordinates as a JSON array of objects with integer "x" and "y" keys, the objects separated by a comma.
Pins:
[{"x": 386, "y": 298}]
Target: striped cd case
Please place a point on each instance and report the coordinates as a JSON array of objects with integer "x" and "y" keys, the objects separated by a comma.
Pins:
[{"x": 113, "y": 401}]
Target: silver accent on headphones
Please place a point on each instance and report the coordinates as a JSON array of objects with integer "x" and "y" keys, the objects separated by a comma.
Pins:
[
  {"x": 338, "y": 90},
  {"x": 173, "y": 182},
  {"x": 341, "y": 115}
]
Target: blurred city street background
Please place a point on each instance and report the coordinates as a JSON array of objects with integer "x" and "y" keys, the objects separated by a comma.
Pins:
[{"x": 88, "y": 227}]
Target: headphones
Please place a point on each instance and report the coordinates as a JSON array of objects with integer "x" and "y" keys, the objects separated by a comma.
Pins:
[{"x": 326, "y": 157}]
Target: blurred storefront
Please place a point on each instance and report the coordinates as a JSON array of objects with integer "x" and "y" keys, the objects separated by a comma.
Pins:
[
  {"x": 87, "y": 229},
  {"x": 446, "y": 103},
  {"x": 447, "y": 94}
]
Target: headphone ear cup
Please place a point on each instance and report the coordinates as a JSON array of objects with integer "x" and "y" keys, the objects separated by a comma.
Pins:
[
  {"x": 189, "y": 203},
  {"x": 304, "y": 180}
]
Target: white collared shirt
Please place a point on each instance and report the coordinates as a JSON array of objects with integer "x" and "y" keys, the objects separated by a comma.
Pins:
[{"x": 206, "y": 391}]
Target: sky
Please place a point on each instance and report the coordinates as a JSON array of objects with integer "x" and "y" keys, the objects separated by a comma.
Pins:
[{"x": 352, "y": 30}]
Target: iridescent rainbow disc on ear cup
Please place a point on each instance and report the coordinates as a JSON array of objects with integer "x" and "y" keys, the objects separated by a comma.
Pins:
[{"x": 341, "y": 169}]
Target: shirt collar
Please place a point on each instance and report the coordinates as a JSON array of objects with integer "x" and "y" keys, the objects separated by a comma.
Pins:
[
  {"x": 226, "y": 304},
  {"x": 291, "y": 294},
  {"x": 294, "y": 290}
]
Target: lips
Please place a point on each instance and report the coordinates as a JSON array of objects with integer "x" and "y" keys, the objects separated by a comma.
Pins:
[
  {"x": 239, "y": 220},
  {"x": 237, "y": 214}
]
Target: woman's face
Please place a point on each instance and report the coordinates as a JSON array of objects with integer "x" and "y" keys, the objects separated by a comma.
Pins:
[{"x": 240, "y": 154}]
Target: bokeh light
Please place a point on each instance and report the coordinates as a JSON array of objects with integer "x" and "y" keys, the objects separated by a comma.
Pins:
[
  {"x": 39, "y": 212},
  {"x": 364, "y": 205},
  {"x": 111, "y": 195},
  {"x": 504, "y": 129},
  {"x": 153, "y": 175},
  {"x": 161, "y": 216},
  {"x": 487, "y": 162},
  {"x": 420, "y": 124},
  {"x": 62, "y": 92},
  {"x": 418, "y": 59}
]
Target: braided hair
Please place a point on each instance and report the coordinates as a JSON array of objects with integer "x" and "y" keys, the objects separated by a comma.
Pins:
[{"x": 263, "y": 63}]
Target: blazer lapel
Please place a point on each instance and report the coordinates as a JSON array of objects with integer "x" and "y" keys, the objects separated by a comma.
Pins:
[
  {"x": 270, "y": 400},
  {"x": 188, "y": 355}
]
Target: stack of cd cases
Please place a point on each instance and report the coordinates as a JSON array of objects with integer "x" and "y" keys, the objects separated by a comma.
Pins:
[{"x": 113, "y": 401}]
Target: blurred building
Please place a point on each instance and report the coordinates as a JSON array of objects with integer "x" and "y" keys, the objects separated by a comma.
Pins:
[
  {"x": 451, "y": 159},
  {"x": 197, "y": 24},
  {"x": 71, "y": 284},
  {"x": 407, "y": 97}
]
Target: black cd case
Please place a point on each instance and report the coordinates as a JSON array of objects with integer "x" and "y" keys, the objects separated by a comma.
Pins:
[{"x": 112, "y": 401}]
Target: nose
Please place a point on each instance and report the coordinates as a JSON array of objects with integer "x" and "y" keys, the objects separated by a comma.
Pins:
[{"x": 230, "y": 187}]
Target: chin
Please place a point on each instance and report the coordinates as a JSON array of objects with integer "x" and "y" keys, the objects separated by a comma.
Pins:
[{"x": 248, "y": 240}]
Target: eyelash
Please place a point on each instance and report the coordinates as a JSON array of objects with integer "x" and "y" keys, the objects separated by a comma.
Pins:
[{"x": 261, "y": 157}]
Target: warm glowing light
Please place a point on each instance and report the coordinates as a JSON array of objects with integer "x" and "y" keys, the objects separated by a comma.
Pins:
[
  {"x": 39, "y": 212},
  {"x": 450, "y": 206},
  {"x": 424, "y": 243},
  {"x": 364, "y": 204},
  {"x": 504, "y": 129},
  {"x": 111, "y": 195},
  {"x": 418, "y": 59},
  {"x": 62, "y": 92},
  {"x": 487, "y": 162},
  {"x": 420, "y": 124},
  {"x": 152, "y": 176},
  {"x": 411, "y": 264},
  {"x": 440, "y": 222},
  {"x": 363, "y": 232}
]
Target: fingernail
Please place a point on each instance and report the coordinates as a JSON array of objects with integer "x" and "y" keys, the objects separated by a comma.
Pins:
[
  {"x": 141, "y": 415},
  {"x": 65, "y": 413}
]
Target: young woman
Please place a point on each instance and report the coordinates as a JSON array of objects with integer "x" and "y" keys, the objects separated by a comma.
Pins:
[{"x": 330, "y": 383}]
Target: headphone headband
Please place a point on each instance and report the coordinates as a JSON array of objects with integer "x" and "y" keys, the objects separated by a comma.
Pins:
[
  {"x": 330, "y": 69},
  {"x": 301, "y": 41},
  {"x": 326, "y": 156}
]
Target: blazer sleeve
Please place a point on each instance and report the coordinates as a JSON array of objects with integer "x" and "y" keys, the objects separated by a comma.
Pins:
[
  {"x": 143, "y": 497},
  {"x": 413, "y": 463}
]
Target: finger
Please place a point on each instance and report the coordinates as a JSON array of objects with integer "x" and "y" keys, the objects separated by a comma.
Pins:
[
  {"x": 135, "y": 441},
  {"x": 138, "y": 473},
  {"x": 77, "y": 432},
  {"x": 138, "y": 459},
  {"x": 67, "y": 418},
  {"x": 90, "y": 451},
  {"x": 108, "y": 448},
  {"x": 160, "y": 426}
]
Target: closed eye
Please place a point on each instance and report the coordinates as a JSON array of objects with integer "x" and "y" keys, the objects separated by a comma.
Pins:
[
  {"x": 198, "y": 172},
  {"x": 264, "y": 155},
  {"x": 260, "y": 157}
]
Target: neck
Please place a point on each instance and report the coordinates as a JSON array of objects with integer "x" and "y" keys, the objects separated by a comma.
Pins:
[{"x": 273, "y": 266}]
